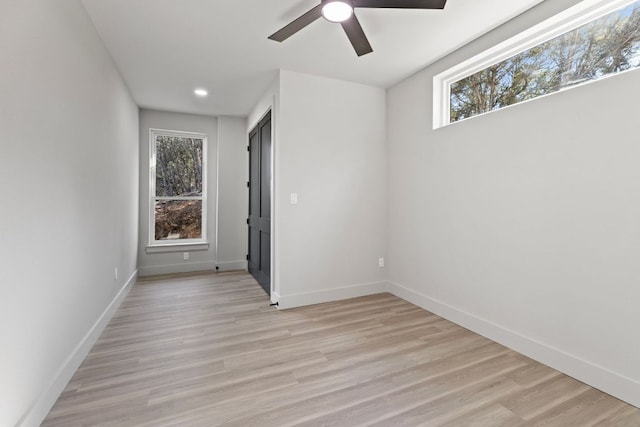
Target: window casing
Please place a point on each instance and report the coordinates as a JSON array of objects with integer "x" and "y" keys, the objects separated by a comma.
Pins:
[
  {"x": 514, "y": 53},
  {"x": 177, "y": 188}
]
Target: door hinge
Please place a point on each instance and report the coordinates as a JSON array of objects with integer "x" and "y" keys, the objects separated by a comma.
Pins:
[
  {"x": 247, "y": 220},
  {"x": 248, "y": 148},
  {"x": 248, "y": 184},
  {"x": 247, "y": 257}
]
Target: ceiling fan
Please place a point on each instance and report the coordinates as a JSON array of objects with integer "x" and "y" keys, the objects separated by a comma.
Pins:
[{"x": 341, "y": 11}]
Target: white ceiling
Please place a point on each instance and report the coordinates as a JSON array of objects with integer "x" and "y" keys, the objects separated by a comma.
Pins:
[{"x": 166, "y": 48}]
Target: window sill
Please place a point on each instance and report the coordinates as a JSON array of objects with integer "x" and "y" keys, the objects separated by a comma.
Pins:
[{"x": 177, "y": 247}]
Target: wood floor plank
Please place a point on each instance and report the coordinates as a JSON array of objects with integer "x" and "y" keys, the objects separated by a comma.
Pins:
[
  {"x": 494, "y": 415},
  {"x": 542, "y": 397},
  {"x": 586, "y": 409},
  {"x": 375, "y": 408},
  {"x": 206, "y": 349},
  {"x": 438, "y": 411}
]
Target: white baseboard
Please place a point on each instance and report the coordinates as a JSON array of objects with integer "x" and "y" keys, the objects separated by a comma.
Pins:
[
  {"x": 597, "y": 376},
  {"x": 186, "y": 267},
  {"x": 231, "y": 265},
  {"x": 43, "y": 404},
  {"x": 335, "y": 294}
]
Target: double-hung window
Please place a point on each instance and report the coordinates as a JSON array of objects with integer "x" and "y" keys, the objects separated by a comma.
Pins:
[{"x": 178, "y": 187}]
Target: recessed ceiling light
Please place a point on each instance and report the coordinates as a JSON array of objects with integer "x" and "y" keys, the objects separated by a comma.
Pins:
[
  {"x": 337, "y": 10},
  {"x": 201, "y": 92}
]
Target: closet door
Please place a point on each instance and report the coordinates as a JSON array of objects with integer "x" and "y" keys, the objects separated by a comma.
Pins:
[{"x": 259, "y": 257}]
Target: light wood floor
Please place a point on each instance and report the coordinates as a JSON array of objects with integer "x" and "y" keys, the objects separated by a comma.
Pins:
[{"x": 207, "y": 350}]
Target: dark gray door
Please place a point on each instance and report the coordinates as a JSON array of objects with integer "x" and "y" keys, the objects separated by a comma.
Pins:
[{"x": 259, "y": 257}]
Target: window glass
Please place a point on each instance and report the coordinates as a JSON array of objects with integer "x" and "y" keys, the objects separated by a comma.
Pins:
[
  {"x": 605, "y": 46},
  {"x": 178, "y": 219},
  {"x": 178, "y": 166}
]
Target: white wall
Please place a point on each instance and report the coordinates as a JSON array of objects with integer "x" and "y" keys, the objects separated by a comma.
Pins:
[
  {"x": 523, "y": 224},
  {"x": 68, "y": 167},
  {"x": 233, "y": 196},
  {"x": 330, "y": 149},
  {"x": 269, "y": 101},
  {"x": 173, "y": 262}
]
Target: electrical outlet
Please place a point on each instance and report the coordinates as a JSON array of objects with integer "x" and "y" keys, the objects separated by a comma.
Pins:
[
  {"x": 115, "y": 274},
  {"x": 186, "y": 256},
  {"x": 381, "y": 262}
]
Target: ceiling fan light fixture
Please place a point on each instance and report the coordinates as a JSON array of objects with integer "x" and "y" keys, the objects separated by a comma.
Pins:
[
  {"x": 337, "y": 10},
  {"x": 201, "y": 92}
]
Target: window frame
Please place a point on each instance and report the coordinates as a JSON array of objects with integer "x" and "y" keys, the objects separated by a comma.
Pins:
[
  {"x": 564, "y": 22},
  {"x": 198, "y": 243}
]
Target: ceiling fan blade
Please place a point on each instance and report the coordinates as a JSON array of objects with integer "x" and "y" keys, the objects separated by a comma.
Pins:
[
  {"x": 297, "y": 24},
  {"x": 401, "y": 4},
  {"x": 356, "y": 36}
]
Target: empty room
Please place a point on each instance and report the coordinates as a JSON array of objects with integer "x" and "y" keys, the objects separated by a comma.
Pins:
[{"x": 320, "y": 213}]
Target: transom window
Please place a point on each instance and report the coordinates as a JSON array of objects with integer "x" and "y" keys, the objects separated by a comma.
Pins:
[
  {"x": 178, "y": 187},
  {"x": 593, "y": 40}
]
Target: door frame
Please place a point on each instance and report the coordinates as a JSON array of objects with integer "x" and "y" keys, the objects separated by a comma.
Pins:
[{"x": 275, "y": 288}]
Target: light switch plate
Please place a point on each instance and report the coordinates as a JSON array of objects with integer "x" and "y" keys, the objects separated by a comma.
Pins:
[{"x": 294, "y": 198}]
